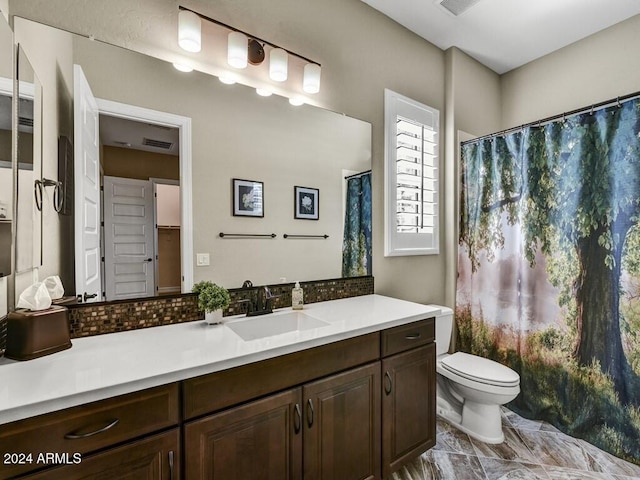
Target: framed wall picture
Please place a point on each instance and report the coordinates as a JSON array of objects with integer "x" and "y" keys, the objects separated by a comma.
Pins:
[
  {"x": 307, "y": 201},
  {"x": 248, "y": 198}
]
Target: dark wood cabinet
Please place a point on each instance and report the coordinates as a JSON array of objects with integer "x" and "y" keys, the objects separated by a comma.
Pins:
[
  {"x": 153, "y": 458},
  {"x": 261, "y": 440},
  {"x": 408, "y": 406},
  {"x": 342, "y": 426},
  {"x": 355, "y": 409}
]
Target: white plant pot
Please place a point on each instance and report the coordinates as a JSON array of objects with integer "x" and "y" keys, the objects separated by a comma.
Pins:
[{"x": 213, "y": 318}]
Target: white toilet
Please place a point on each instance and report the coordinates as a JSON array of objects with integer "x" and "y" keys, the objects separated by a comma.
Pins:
[{"x": 471, "y": 389}]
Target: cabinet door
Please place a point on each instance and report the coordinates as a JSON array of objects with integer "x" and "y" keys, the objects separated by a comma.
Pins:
[
  {"x": 342, "y": 426},
  {"x": 152, "y": 458},
  {"x": 408, "y": 406},
  {"x": 261, "y": 440}
]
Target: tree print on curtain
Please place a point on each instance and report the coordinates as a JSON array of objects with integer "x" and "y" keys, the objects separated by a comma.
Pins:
[
  {"x": 549, "y": 270},
  {"x": 356, "y": 246}
]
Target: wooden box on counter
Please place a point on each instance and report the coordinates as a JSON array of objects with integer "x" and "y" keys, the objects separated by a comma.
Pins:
[{"x": 33, "y": 334}]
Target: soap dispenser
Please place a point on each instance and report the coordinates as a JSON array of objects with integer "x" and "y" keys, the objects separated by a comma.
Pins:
[{"x": 297, "y": 297}]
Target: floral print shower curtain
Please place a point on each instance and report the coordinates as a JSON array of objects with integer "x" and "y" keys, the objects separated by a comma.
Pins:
[
  {"x": 549, "y": 269},
  {"x": 356, "y": 246}
]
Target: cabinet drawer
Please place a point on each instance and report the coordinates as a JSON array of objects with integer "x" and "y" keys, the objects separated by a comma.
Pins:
[
  {"x": 406, "y": 337},
  {"x": 213, "y": 392},
  {"x": 90, "y": 427}
]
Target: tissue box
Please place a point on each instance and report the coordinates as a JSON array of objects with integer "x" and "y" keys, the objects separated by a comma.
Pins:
[{"x": 33, "y": 334}]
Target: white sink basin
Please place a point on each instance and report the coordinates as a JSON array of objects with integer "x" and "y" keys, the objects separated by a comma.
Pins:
[{"x": 274, "y": 324}]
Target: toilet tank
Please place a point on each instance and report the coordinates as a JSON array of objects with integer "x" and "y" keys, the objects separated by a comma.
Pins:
[{"x": 444, "y": 329}]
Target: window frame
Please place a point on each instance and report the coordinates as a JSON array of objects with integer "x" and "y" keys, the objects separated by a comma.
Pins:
[{"x": 404, "y": 243}]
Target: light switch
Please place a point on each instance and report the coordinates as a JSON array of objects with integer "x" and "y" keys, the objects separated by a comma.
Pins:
[{"x": 202, "y": 259}]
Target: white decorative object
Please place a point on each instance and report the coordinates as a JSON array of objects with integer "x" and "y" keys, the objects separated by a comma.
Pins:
[
  {"x": 311, "y": 79},
  {"x": 213, "y": 318},
  {"x": 189, "y": 31},
  {"x": 237, "y": 50},
  {"x": 35, "y": 297},
  {"x": 297, "y": 297},
  {"x": 278, "y": 64}
]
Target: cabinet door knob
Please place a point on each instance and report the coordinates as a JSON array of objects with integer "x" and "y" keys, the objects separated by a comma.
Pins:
[
  {"x": 388, "y": 383},
  {"x": 78, "y": 436},
  {"x": 310, "y": 413},
  {"x": 297, "y": 419}
]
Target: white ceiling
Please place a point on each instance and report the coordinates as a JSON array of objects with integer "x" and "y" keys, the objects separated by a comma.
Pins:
[
  {"x": 505, "y": 34},
  {"x": 124, "y": 133}
]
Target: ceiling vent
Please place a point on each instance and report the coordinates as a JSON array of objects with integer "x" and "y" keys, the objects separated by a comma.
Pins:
[
  {"x": 149, "y": 142},
  {"x": 456, "y": 7}
]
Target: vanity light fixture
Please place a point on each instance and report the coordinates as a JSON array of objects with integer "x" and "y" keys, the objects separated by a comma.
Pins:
[
  {"x": 227, "y": 79},
  {"x": 278, "y": 64},
  {"x": 264, "y": 92},
  {"x": 237, "y": 52},
  {"x": 311, "y": 79},
  {"x": 183, "y": 68},
  {"x": 189, "y": 31},
  {"x": 244, "y": 48}
]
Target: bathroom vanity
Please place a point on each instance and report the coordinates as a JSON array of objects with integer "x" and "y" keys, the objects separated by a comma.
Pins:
[{"x": 351, "y": 398}]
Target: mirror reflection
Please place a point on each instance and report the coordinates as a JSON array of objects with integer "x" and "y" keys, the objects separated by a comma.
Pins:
[
  {"x": 29, "y": 221},
  {"x": 218, "y": 133},
  {"x": 6, "y": 167}
]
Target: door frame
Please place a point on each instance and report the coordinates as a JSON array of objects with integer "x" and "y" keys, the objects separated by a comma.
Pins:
[
  {"x": 156, "y": 265},
  {"x": 140, "y": 114}
]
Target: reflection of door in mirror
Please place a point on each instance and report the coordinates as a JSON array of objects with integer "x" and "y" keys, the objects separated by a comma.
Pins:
[{"x": 29, "y": 219}]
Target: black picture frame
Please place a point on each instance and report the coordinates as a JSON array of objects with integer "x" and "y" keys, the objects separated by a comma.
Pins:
[
  {"x": 247, "y": 198},
  {"x": 306, "y": 203}
]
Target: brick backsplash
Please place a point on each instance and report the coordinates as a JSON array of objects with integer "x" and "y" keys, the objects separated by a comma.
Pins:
[{"x": 108, "y": 317}]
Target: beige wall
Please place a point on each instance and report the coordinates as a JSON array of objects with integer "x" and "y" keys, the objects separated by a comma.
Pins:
[
  {"x": 362, "y": 53},
  {"x": 129, "y": 163},
  {"x": 46, "y": 55},
  {"x": 598, "y": 68}
]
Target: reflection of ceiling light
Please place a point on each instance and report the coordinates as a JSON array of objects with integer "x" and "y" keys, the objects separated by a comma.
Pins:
[
  {"x": 311, "y": 80},
  {"x": 237, "y": 50},
  {"x": 296, "y": 101},
  {"x": 278, "y": 62},
  {"x": 227, "y": 79},
  {"x": 183, "y": 68},
  {"x": 264, "y": 92},
  {"x": 189, "y": 31}
]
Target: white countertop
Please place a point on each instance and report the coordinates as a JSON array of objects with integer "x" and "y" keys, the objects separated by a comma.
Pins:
[{"x": 104, "y": 366}]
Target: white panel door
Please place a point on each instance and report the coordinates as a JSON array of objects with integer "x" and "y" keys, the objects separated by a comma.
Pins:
[
  {"x": 129, "y": 257},
  {"x": 87, "y": 190}
]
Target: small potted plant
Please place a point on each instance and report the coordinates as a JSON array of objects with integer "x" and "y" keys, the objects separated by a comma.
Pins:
[{"x": 212, "y": 299}]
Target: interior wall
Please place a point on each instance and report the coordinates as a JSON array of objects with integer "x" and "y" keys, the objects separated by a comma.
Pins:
[
  {"x": 139, "y": 164},
  {"x": 47, "y": 56},
  {"x": 595, "y": 69},
  {"x": 473, "y": 107},
  {"x": 361, "y": 51}
]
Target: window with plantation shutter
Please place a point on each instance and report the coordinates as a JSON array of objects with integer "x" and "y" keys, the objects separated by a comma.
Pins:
[{"x": 411, "y": 177}]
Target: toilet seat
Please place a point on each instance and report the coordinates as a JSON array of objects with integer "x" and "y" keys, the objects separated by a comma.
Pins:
[{"x": 479, "y": 369}]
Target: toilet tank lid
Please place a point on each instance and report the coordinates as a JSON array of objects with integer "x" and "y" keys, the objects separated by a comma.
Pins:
[
  {"x": 480, "y": 369},
  {"x": 443, "y": 310}
]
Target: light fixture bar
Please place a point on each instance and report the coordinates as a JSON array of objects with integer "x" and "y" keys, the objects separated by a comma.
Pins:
[{"x": 249, "y": 35}]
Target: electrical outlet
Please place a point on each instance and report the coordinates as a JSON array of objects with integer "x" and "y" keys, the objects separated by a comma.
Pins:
[{"x": 202, "y": 259}]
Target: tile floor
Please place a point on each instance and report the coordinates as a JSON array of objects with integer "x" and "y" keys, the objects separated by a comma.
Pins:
[{"x": 532, "y": 450}]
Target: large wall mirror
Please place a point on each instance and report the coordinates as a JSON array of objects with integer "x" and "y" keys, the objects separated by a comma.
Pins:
[
  {"x": 6, "y": 136},
  {"x": 169, "y": 145}
]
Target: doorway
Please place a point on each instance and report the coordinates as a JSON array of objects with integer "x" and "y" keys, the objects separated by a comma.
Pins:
[{"x": 140, "y": 167}]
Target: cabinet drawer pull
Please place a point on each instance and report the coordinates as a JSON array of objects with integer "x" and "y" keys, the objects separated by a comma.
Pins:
[
  {"x": 388, "y": 383},
  {"x": 170, "y": 464},
  {"x": 310, "y": 413},
  {"x": 297, "y": 419},
  {"x": 413, "y": 336},
  {"x": 78, "y": 436}
]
